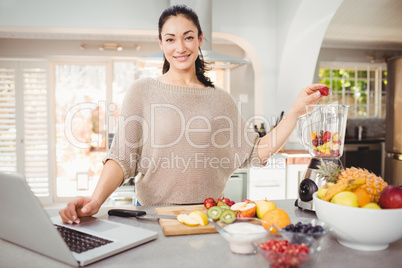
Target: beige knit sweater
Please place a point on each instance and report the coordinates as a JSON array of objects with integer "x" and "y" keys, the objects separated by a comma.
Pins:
[{"x": 185, "y": 142}]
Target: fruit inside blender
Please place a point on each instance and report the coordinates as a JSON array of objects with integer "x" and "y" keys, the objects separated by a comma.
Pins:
[{"x": 326, "y": 144}]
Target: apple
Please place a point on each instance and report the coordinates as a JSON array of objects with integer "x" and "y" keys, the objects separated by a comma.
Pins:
[
  {"x": 371, "y": 206},
  {"x": 207, "y": 200},
  {"x": 237, "y": 206},
  {"x": 391, "y": 197},
  {"x": 246, "y": 200},
  {"x": 210, "y": 204},
  {"x": 219, "y": 200},
  {"x": 249, "y": 210},
  {"x": 263, "y": 206},
  {"x": 226, "y": 200},
  {"x": 244, "y": 209}
]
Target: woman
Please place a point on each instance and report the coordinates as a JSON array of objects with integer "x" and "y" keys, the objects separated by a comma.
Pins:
[{"x": 182, "y": 134}]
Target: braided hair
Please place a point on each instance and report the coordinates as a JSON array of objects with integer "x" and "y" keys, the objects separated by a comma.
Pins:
[{"x": 200, "y": 65}]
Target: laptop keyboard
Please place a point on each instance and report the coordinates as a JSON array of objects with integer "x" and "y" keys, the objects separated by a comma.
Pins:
[{"x": 80, "y": 242}]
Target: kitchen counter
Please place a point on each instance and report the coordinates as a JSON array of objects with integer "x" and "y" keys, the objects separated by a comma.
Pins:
[
  {"x": 205, "y": 250},
  {"x": 297, "y": 157}
]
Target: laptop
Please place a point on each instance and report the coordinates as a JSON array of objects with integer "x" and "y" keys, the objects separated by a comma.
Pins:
[{"x": 24, "y": 222}]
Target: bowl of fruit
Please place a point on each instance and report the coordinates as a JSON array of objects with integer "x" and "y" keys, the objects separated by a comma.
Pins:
[
  {"x": 369, "y": 227},
  {"x": 309, "y": 232}
]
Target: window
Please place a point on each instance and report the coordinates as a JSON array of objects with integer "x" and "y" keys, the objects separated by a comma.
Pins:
[
  {"x": 362, "y": 87},
  {"x": 80, "y": 101},
  {"x": 24, "y": 132}
]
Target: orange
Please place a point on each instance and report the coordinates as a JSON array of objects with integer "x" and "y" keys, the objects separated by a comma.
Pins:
[
  {"x": 313, "y": 135},
  {"x": 277, "y": 217},
  {"x": 362, "y": 196}
]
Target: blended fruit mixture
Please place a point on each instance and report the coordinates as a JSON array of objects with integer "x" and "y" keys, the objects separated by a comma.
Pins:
[
  {"x": 326, "y": 144},
  {"x": 241, "y": 235}
]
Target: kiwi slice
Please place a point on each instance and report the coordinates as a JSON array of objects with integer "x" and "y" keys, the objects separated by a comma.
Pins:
[
  {"x": 214, "y": 213},
  {"x": 224, "y": 207},
  {"x": 228, "y": 216}
]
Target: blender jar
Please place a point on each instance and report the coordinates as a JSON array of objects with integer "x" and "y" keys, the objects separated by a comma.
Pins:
[{"x": 322, "y": 130}]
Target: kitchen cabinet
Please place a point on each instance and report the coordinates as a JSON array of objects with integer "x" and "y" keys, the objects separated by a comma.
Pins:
[
  {"x": 268, "y": 182},
  {"x": 280, "y": 178}
]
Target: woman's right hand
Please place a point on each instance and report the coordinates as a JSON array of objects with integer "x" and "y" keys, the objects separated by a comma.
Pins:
[{"x": 77, "y": 208}]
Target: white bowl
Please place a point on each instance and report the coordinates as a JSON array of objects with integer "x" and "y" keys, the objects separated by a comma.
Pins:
[
  {"x": 241, "y": 234},
  {"x": 361, "y": 228}
]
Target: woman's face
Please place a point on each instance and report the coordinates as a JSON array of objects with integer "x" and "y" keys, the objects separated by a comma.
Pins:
[{"x": 180, "y": 42}]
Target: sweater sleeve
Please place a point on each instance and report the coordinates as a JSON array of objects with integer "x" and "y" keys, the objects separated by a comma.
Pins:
[{"x": 127, "y": 141}]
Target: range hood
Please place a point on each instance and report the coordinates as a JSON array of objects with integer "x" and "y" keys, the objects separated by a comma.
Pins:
[{"x": 203, "y": 9}]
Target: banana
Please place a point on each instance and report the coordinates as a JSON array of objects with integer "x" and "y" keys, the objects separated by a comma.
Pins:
[{"x": 345, "y": 185}]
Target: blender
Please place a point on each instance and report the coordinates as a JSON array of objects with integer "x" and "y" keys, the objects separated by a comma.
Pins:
[{"x": 322, "y": 132}]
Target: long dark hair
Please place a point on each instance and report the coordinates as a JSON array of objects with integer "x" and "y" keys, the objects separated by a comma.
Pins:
[{"x": 200, "y": 65}]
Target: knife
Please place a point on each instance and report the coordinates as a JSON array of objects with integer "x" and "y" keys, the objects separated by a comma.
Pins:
[{"x": 139, "y": 214}]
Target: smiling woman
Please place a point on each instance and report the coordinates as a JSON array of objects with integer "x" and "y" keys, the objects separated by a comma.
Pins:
[
  {"x": 180, "y": 38},
  {"x": 210, "y": 149}
]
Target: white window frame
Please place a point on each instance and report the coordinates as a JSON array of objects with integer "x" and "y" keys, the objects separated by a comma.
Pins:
[{"x": 19, "y": 65}]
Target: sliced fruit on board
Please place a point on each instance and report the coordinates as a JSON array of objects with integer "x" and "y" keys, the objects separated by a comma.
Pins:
[
  {"x": 228, "y": 216},
  {"x": 237, "y": 206},
  {"x": 214, "y": 213},
  {"x": 180, "y": 218},
  {"x": 187, "y": 220},
  {"x": 200, "y": 217}
]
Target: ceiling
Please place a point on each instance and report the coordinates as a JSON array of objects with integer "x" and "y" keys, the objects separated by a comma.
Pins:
[
  {"x": 366, "y": 24},
  {"x": 363, "y": 24}
]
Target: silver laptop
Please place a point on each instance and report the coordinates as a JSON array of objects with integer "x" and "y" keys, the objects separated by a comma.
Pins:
[{"x": 24, "y": 222}]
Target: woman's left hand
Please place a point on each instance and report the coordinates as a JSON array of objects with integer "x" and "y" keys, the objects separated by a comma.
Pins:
[{"x": 307, "y": 96}]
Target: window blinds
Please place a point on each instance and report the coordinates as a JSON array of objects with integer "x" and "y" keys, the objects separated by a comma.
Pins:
[{"x": 24, "y": 123}]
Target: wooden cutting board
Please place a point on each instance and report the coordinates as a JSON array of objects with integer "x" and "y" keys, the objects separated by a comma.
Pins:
[{"x": 172, "y": 227}]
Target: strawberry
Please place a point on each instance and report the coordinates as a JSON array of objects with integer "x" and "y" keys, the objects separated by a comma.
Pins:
[
  {"x": 326, "y": 137},
  {"x": 324, "y": 91}
]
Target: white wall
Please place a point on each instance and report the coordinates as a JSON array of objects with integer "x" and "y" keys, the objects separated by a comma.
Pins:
[
  {"x": 106, "y": 14},
  {"x": 301, "y": 46}
]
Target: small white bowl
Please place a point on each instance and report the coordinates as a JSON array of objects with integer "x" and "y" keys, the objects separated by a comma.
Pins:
[
  {"x": 241, "y": 234},
  {"x": 361, "y": 228}
]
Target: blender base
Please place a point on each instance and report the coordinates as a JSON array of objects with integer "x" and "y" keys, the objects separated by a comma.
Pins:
[
  {"x": 305, "y": 205},
  {"x": 311, "y": 182}
]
